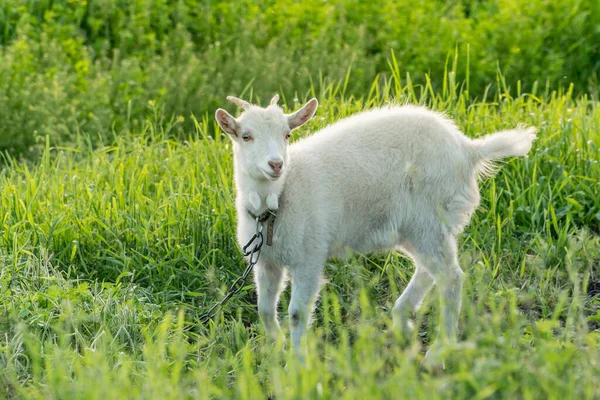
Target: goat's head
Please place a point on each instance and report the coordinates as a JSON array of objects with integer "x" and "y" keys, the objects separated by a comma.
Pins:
[{"x": 260, "y": 135}]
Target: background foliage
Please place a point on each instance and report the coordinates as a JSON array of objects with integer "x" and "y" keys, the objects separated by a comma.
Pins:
[
  {"x": 117, "y": 219},
  {"x": 91, "y": 66}
]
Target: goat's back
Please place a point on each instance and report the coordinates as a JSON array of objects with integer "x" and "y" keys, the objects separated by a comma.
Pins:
[{"x": 371, "y": 177}]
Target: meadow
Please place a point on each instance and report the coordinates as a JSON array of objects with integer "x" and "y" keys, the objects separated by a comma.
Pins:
[{"x": 117, "y": 221}]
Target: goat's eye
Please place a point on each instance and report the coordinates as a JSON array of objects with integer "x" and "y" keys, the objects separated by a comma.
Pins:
[
  {"x": 287, "y": 136},
  {"x": 247, "y": 137}
]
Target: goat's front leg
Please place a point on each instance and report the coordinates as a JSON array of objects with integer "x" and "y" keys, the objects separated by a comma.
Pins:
[
  {"x": 270, "y": 282},
  {"x": 306, "y": 283}
]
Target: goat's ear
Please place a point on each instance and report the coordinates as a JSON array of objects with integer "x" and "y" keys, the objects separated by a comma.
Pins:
[
  {"x": 227, "y": 123},
  {"x": 301, "y": 116}
]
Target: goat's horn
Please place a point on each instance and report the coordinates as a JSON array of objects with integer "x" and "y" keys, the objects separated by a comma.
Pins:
[
  {"x": 244, "y": 105},
  {"x": 275, "y": 99}
]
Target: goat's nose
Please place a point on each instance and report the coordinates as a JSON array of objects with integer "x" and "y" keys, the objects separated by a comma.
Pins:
[{"x": 276, "y": 165}]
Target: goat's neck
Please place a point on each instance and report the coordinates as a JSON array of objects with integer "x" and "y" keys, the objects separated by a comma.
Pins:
[{"x": 245, "y": 185}]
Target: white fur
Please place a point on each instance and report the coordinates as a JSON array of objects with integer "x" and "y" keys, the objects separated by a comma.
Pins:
[{"x": 396, "y": 178}]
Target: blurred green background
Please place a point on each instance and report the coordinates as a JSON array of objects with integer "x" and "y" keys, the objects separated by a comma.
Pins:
[
  {"x": 117, "y": 219},
  {"x": 69, "y": 67}
]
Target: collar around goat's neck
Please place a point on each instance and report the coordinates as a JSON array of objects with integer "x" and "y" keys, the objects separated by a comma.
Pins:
[
  {"x": 268, "y": 216},
  {"x": 262, "y": 217}
]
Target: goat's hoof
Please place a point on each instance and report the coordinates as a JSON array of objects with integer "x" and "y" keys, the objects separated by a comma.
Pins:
[
  {"x": 434, "y": 359},
  {"x": 405, "y": 329},
  {"x": 276, "y": 338},
  {"x": 298, "y": 365}
]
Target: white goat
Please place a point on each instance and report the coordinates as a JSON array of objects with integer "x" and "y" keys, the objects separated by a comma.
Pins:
[{"x": 402, "y": 178}]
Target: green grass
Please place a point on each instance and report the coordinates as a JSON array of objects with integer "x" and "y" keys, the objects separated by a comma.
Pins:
[
  {"x": 111, "y": 252},
  {"x": 117, "y": 220}
]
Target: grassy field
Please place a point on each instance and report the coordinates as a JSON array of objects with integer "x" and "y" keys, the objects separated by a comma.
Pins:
[{"x": 117, "y": 219}]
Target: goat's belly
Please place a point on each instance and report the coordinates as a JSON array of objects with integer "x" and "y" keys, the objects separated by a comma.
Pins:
[{"x": 365, "y": 242}]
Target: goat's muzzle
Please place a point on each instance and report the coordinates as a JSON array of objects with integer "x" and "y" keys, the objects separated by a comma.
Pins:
[{"x": 276, "y": 167}]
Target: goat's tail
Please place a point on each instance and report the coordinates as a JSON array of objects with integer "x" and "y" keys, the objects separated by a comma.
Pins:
[{"x": 499, "y": 145}]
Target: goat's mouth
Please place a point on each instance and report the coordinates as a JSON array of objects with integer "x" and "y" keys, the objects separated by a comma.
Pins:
[{"x": 272, "y": 176}]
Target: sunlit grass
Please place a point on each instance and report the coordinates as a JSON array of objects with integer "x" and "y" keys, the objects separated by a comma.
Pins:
[{"x": 111, "y": 253}]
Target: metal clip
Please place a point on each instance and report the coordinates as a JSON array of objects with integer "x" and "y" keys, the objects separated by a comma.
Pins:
[{"x": 257, "y": 235}]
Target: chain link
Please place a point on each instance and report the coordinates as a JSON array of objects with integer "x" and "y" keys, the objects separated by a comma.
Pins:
[{"x": 253, "y": 253}]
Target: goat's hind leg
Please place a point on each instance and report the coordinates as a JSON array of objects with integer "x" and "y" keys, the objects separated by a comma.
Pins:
[
  {"x": 270, "y": 281},
  {"x": 441, "y": 261},
  {"x": 410, "y": 300}
]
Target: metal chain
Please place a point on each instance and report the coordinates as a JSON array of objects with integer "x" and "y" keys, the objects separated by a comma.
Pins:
[{"x": 253, "y": 253}]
